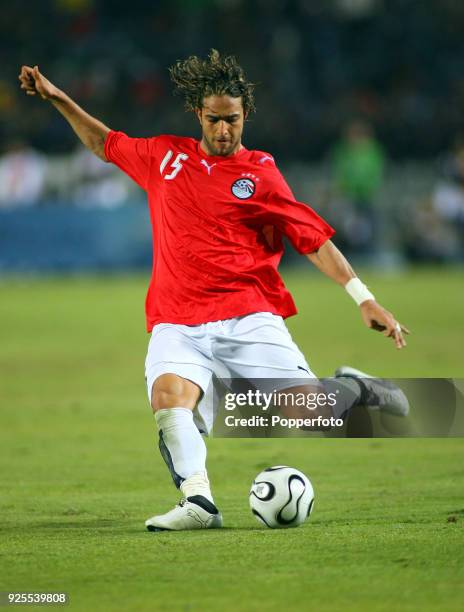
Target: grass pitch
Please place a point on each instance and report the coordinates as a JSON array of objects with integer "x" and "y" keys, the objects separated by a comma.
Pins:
[{"x": 80, "y": 471}]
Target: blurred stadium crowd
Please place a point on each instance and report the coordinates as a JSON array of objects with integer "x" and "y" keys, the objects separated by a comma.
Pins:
[{"x": 350, "y": 93}]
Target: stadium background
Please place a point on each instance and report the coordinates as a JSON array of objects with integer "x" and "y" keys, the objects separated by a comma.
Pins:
[
  {"x": 395, "y": 66},
  {"x": 360, "y": 101}
]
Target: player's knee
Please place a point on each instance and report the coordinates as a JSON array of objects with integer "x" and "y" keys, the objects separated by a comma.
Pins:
[{"x": 172, "y": 391}]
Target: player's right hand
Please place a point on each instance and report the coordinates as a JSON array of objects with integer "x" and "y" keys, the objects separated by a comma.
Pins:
[{"x": 33, "y": 82}]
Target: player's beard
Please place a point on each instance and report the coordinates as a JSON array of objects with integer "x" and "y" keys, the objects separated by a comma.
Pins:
[{"x": 222, "y": 149}]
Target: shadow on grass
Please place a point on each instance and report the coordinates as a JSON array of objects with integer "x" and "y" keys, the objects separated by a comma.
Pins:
[{"x": 84, "y": 524}]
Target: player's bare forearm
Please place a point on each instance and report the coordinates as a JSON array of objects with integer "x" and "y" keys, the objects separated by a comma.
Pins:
[
  {"x": 90, "y": 131},
  {"x": 329, "y": 260}
]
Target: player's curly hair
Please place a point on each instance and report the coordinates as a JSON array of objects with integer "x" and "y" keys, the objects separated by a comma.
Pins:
[{"x": 196, "y": 79}]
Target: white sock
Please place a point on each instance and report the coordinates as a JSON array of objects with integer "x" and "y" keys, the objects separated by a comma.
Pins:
[
  {"x": 186, "y": 448},
  {"x": 197, "y": 484}
]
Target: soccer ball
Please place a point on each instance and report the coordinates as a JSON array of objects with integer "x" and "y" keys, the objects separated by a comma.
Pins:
[{"x": 281, "y": 497}]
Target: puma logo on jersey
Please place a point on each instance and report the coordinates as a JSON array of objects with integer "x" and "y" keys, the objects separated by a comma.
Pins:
[{"x": 207, "y": 166}]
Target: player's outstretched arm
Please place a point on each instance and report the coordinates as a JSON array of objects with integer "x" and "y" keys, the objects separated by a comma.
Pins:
[
  {"x": 329, "y": 260},
  {"x": 91, "y": 132}
]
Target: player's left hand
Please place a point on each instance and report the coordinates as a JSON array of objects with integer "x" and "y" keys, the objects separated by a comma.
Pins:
[{"x": 379, "y": 319}]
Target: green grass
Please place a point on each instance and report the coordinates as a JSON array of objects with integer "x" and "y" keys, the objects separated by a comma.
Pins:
[{"x": 80, "y": 471}]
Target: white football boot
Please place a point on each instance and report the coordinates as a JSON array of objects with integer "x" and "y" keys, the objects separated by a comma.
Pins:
[
  {"x": 377, "y": 393},
  {"x": 194, "y": 512}
]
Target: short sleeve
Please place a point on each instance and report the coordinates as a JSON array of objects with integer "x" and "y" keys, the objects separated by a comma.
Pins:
[
  {"x": 305, "y": 229},
  {"x": 132, "y": 155}
]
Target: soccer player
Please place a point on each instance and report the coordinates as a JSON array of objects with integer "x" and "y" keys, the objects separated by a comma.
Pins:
[{"x": 219, "y": 212}]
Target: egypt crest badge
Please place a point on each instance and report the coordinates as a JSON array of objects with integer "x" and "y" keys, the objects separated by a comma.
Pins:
[{"x": 243, "y": 188}]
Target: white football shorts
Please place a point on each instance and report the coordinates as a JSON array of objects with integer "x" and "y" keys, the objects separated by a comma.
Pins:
[{"x": 254, "y": 346}]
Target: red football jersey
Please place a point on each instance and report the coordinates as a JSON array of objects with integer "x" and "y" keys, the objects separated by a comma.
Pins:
[{"x": 217, "y": 225}]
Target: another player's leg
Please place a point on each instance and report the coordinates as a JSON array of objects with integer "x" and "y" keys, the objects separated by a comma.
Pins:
[{"x": 184, "y": 451}]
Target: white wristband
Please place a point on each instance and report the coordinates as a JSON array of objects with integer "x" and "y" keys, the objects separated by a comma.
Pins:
[{"x": 358, "y": 291}]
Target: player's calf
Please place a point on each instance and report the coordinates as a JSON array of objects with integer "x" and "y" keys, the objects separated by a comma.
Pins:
[{"x": 184, "y": 452}]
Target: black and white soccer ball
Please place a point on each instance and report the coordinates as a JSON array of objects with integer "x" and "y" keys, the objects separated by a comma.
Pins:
[{"x": 281, "y": 497}]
